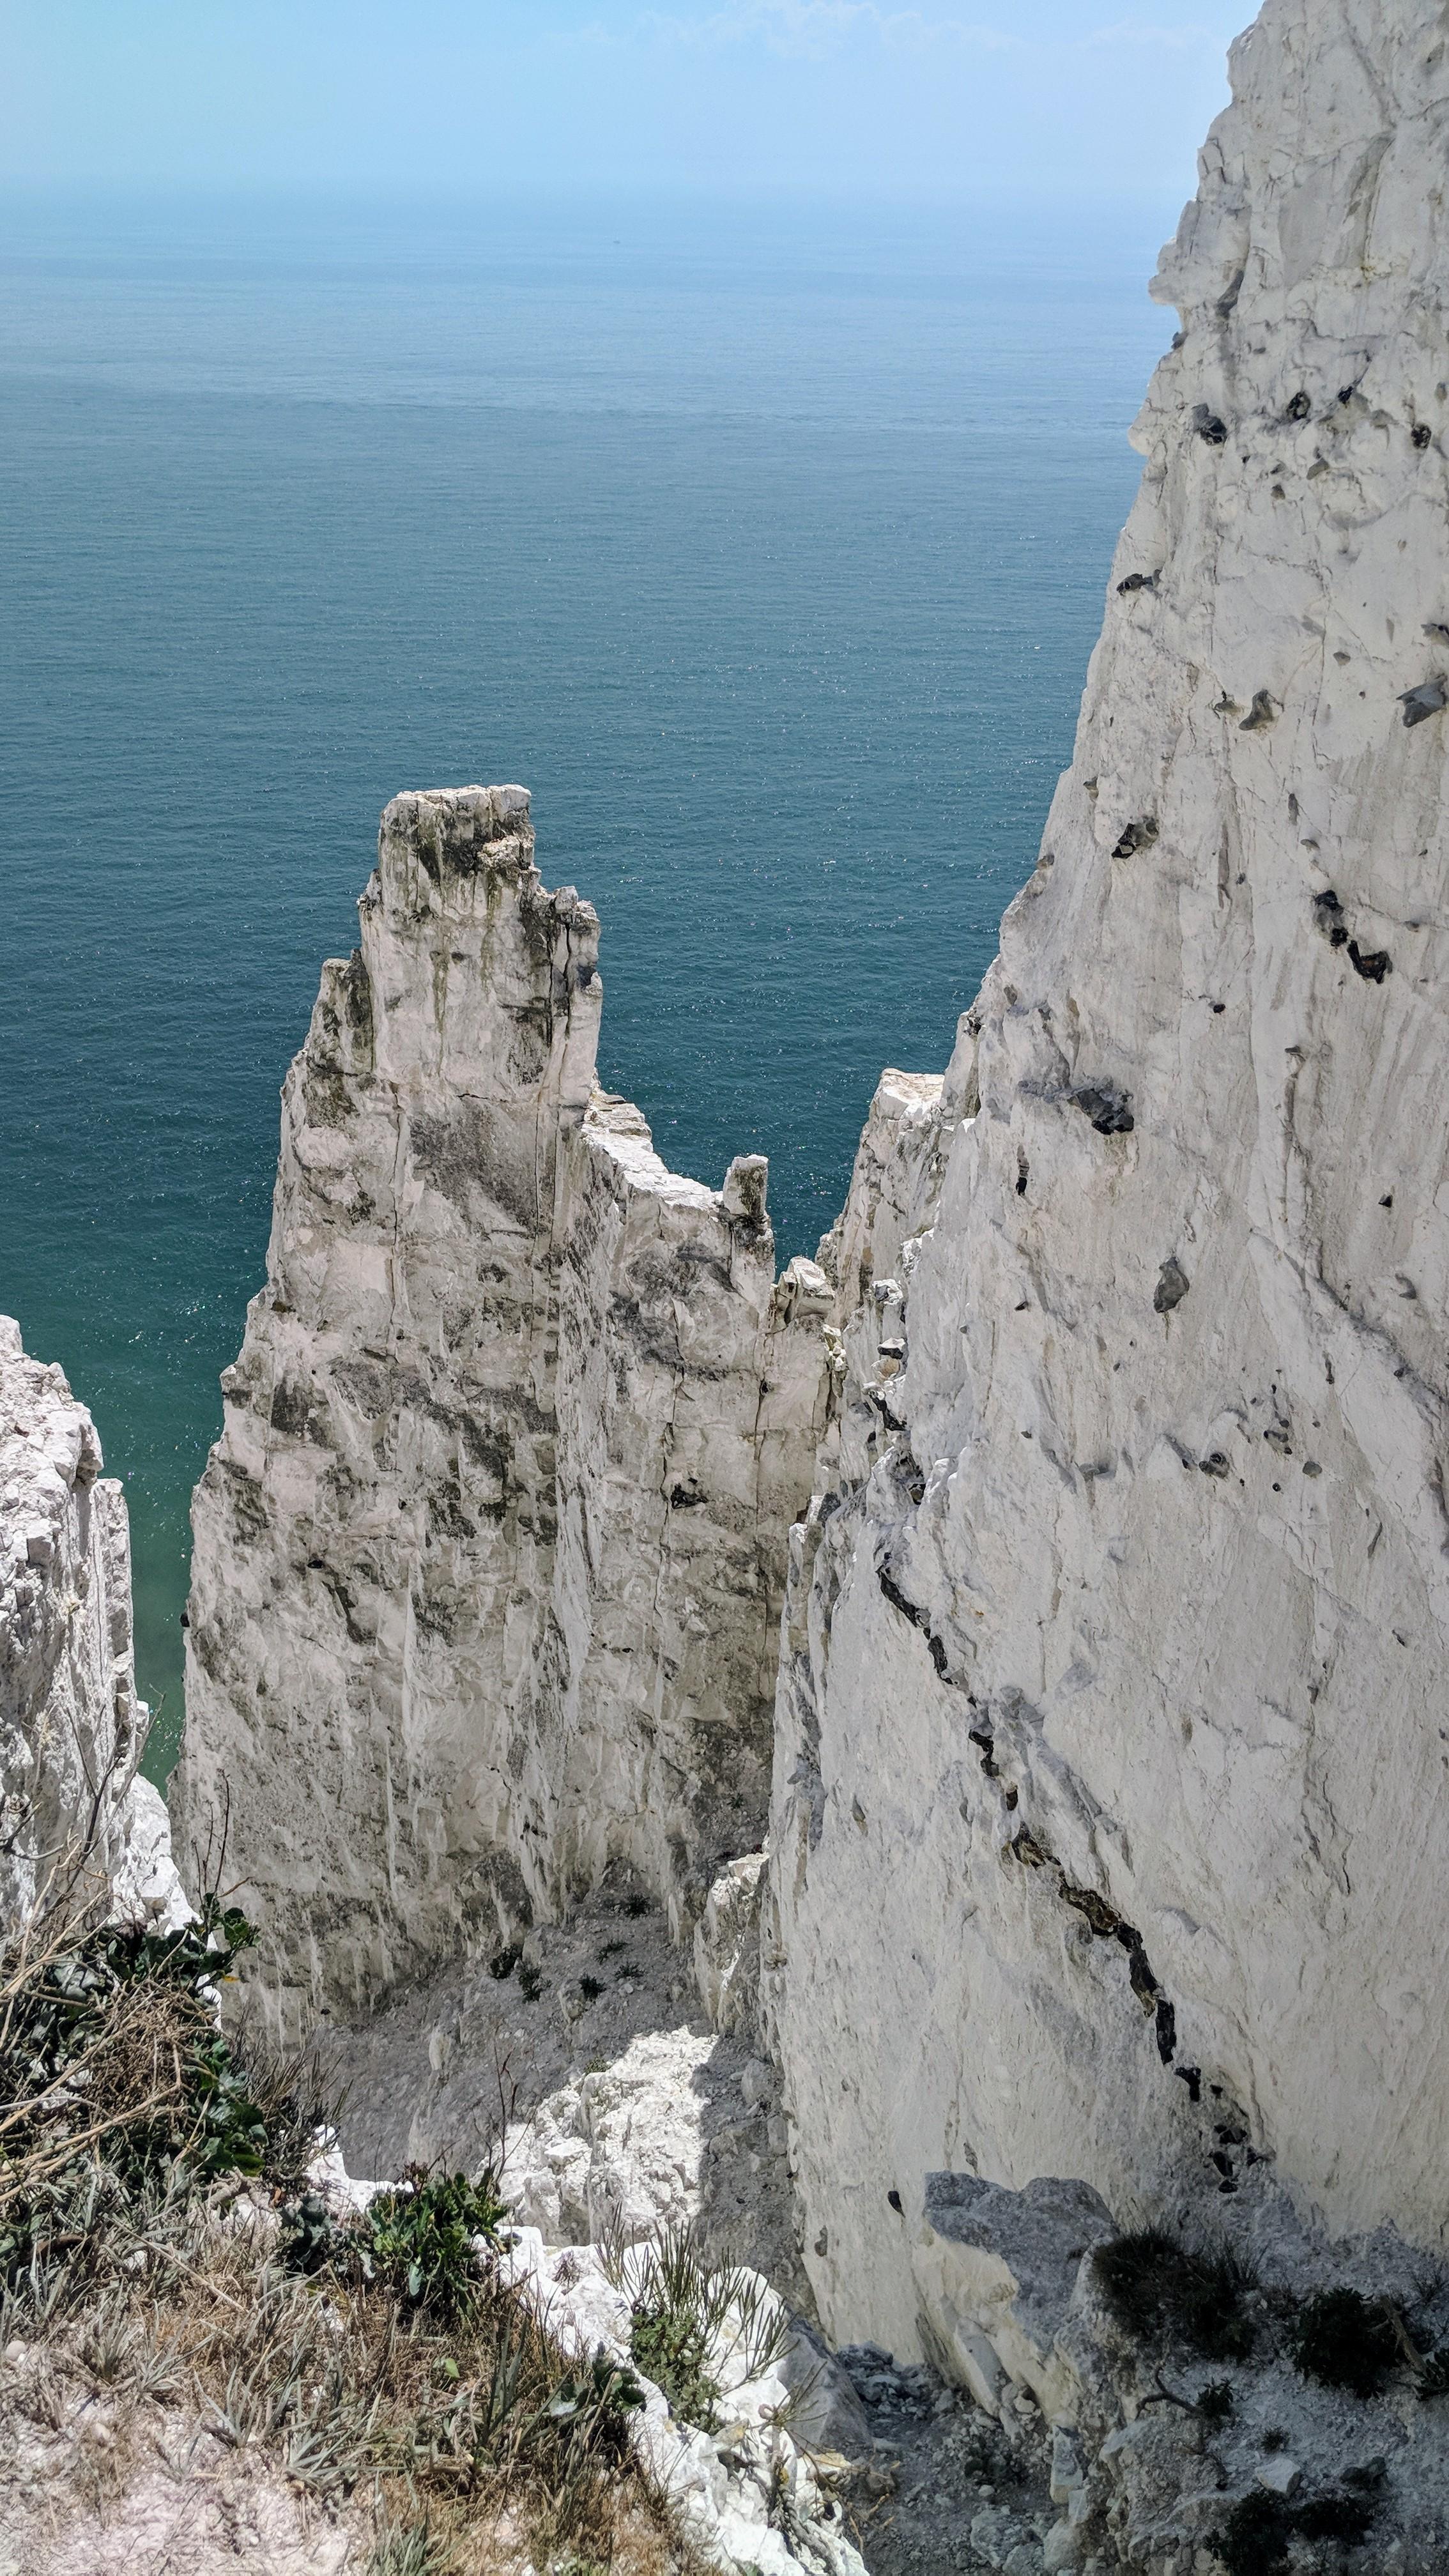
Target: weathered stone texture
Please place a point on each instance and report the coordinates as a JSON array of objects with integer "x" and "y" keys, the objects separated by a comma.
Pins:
[
  {"x": 76, "y": 1824},
  {"x": 1113, "y": 1738},
  {"x": 489, "y": 1559}
]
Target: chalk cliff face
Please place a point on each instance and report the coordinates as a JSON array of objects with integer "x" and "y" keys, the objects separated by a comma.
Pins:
[
  {"x": 1111, "y": 1826},
  {"x": 75, "y": 1822},
  {"x": 489, "y": 1560}
]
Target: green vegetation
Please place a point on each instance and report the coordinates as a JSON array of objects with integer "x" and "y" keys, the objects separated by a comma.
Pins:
[{"x": 684, "y": 2310}]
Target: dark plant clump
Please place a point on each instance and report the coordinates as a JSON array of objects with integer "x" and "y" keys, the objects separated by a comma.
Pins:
[
  {"x": 1433, "y": 2378},
  {"x": 1154, "y": 2288},
  {"x": 591, "y": 1988},
  {"x": 1215, "y": 2402},
  {"x": 1255, "y": 2539},
  {"x": 1344, "y": 2340},
  {"x": 1259, "y": 2528},
  {"x": 1334, "y": 2516}
]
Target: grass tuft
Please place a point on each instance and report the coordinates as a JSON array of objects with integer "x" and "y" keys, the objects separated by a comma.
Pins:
[{"x": 684, "y": 2309}]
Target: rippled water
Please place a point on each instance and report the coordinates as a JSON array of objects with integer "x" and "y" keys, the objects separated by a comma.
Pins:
[{"x": 766, "y": 546}]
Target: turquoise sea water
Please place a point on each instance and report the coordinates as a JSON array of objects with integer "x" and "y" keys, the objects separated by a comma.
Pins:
[{"x": 766, "y": 545}]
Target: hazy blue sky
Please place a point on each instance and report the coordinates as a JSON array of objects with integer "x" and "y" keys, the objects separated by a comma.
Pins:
[{"x": 1026, "y": 98}]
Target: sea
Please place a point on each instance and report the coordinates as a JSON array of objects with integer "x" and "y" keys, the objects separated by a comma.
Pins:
[{"x": 765, "y": 542}]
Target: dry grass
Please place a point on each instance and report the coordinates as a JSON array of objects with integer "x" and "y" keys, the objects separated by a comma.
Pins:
[{"x": 153, "y": 2308}]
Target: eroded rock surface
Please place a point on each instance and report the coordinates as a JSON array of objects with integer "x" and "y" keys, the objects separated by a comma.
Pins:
[
  {"x": 76, "y": 1823},
  {"x": 1109, "y": 1835},
  {"x": 490, "y": 1556}
]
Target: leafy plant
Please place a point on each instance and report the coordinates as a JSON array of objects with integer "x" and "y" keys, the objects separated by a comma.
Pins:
[
  {"x": 1344, "y": 2340},
  {"x": 596, "y": 2403},
  {"x": 672, "y": 2348},
  {"x": 1215, "y": 2402},
  {"x": 591, "y": 1988},
  {"x": 419, "y": 2241}
]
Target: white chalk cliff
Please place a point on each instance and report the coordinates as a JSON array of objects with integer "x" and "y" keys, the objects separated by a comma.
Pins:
[
  {"x": 489, "y": 1560},
  {"x": 1111, "y": 1737},
  {"x": 77, "y": 1823},
  {"x": 1111, "y": 1821}
]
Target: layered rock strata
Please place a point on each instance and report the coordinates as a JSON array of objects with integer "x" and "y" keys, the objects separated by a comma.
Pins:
[
  {"x": 78, "y": 1826},
  {"x": 489, "y": 1559},
  {"x": 1111, "y": 1827}
]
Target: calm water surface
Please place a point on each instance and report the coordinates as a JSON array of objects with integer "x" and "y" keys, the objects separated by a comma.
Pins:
[{"x": 766, "y": 546}]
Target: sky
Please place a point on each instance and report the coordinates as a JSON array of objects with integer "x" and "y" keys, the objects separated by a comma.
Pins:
[{"x": 1020, "y": 100}]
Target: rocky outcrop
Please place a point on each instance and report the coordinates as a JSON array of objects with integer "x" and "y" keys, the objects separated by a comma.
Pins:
[
  {"x": 489, "y": 1559},
  {"x": 78, "y": 1826},
  {"x": 1113, "y": 1744},
  {"x": 1191, "y": 2410}
]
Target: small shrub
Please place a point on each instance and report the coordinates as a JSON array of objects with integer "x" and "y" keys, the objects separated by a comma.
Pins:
[
  {"x": 1334, "y": 2516},
  {"x": 1154, "y": 2288},
  {"x": 610, "y": 1949},
  {"x": 418, "y": 2242},
  {"x": 638, "y": 1903},
  {"x": 1343, "y": 2340},
  {"x": 591, "y": 1988},
  {"x": 1260, "y": 2527},
  {"x": 503, "y": 1963},
  {"x": 1433, "y": 2380},
  {"x": 627, "y": 1972},
  {"x": 1275, "y": 2439},
  {"x": 1255, "y": 2540},
  {"x": 530, "y": 1981},
  {"x": 1215, "y": 2402}
]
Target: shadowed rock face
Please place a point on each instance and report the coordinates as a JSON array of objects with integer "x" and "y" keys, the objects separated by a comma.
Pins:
[
  {"x": 490, "y": 1556},
  {"x": 1112, "y": 1744}
]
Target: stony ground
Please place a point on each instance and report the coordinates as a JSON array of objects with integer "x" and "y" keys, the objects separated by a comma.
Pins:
[
  {"x": 944, "y": 2495},
  {"x": 589, "y": 2059},
  {"x": 585, "y": 2055}
]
